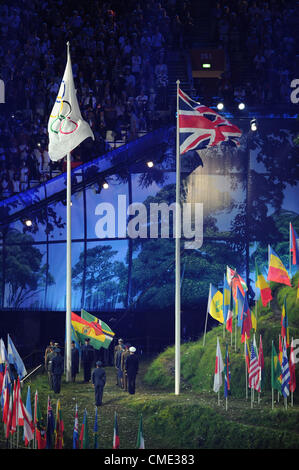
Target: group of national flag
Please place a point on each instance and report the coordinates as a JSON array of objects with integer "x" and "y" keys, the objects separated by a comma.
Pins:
[
  {"x": 233, "y": 301},
  {"x": 283, "y": 377}
]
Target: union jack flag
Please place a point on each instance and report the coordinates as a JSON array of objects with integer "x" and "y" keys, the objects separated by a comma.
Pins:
[{"x": 201, "y": 127}]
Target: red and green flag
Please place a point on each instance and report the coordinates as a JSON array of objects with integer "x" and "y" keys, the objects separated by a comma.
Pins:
[
  {"x": 84, "y": 438},
  {"x": 106, "y": 334},
  {"x": 40, "y": 429}
]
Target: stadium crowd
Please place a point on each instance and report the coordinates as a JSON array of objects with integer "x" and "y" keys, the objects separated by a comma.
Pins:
[
  {"x": 259, "y": 40},
  {"x": 119, "y": 57}
]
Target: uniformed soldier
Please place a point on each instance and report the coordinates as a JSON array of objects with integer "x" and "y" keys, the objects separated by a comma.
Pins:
[
  {"x": 118, "y": 348},
  {"x": 49, "y": 348},
  {"x": 99, "y": 380},
  {"x": 132, "y": 365},
  {"x": 75, "y": 361},
  {"x": 124, "y": 356},
  {"x": 57, "y": 368},
  {"x": 50, "y": 356}
]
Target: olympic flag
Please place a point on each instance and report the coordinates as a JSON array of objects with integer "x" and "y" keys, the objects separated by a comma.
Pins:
[{"x": 66, "y": 128}]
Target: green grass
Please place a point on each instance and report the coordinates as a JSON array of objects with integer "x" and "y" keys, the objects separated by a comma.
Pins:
[{"x": 193, "y": 419}]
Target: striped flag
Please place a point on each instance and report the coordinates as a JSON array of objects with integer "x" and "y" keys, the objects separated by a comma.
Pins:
[
  {"x": 254, "y": 369},
  {"x": 115, "y": 433},
  {"x": 294, "y": 245},
  {"x": 84, "y": 438},
  {"x": 219, "y": 368},
  {"x": 285, "y": 373}
]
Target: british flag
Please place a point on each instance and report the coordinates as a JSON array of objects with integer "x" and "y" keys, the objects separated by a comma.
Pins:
[{"x": 201, "y": 127}]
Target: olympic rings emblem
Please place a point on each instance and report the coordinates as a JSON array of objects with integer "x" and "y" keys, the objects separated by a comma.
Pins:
[{"x": 62, "y": 119}]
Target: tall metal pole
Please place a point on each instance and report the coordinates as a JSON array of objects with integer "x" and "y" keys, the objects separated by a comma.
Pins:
[
  {"x": 68, "y": 270},
  {"x": 177, "y": 256}
]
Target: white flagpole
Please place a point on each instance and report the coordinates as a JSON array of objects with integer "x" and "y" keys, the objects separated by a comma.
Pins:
[
  {"x": 68, "y": 270},
  {"x": 177, "y": 256}
]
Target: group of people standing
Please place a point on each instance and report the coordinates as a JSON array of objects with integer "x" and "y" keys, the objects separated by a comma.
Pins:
[
  {"x": 127, "y": 364},
  {"x": 125, "y": 361}
]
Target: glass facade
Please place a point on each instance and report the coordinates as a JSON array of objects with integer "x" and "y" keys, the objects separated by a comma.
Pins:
[{"x": 249, "y": 195}]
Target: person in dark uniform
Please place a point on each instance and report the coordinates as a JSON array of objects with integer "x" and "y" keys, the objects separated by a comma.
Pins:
[
  {"x": 132, "y": 365},
  {"x": 124, "y": 356},
  {"x": 57, "y": 368},
  {"x": 50, "y": 355},
  {"x": 75, "y": 361},
  {"x": 99, "y": 380},
  {"x": 87, "y": 359}
]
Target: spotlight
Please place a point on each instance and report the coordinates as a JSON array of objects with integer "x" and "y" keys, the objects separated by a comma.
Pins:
[
  {"x": 28, "y": 223},
  {"x": 241, "y": 106},
  {"x": 220, "y": 106},
  {"x": 150, "y": 164},
  {"x": 105, "y": 185},
  {"x": 253, "y": 125}
]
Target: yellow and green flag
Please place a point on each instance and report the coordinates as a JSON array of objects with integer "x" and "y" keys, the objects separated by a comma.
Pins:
[{"x": 215, "y": 304}]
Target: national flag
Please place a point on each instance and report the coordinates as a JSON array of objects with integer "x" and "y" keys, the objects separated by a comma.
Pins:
[
  {"x": 15, "y": 359},
  {"x": 219, "y": 368},
  {"x": 28, "y": 409},
  {"x": 100, "y": 326},
  {"x": 140, "y": 438},
  {"x": 262, "y": 284},
  {"x": 246, "y": 324},
  {"x": 40, "y": 429},
  {"x": 253, "y": 320},
  {"x": 275, "y": 370},
  {"x": 294, "y": 245},
  {"x": 5, "y": 395},
  {"x": 9, "y": 416},
  {"x": 276, "y": 269},
  {"x": 26, "y": 419},
  {"x": 3, "y": 362},
  {"x": 201, "y": 127},
  {"x": 15, "y": 405},
  {"x": 76, "y": 430},
  {"x": 235, "y": 281},
  {"x": 215, "y": 304},
  {"x": 66, "y": 128},
  {"x": 96, "y": 429},
  {"x": 247, "y": 353},
  {"x": 115, "y": 433},
  {"x": 226, "y": 299},
  {"x": 240, "y": 298},
  {"x": 285, "y": 373},
  {"x": 285, "y": 333},
  {"x": 227, "y": 374},
  {"x": 254, "y": 370},
  {"x": 261, "y": 361},
  {"x": 292, "y": 368},
  {"x": 50, "y": 425},
  {"x": 84, "y": 438},
  {"x": 59, "y": 427},
  {"x": 85, "y": 329}
]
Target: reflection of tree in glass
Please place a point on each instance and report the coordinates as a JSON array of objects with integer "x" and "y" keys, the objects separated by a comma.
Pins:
[
  {"x": 154, "y": 265},
  {"x": 25, "y": 276},
  {"x": 102, "y": 276}
]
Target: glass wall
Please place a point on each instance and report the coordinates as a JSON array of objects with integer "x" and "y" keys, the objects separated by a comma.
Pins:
[{"x": 249, "y": 195}]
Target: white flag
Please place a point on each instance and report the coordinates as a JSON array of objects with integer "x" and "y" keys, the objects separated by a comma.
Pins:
[
  {"x": 66, "y": 128},
  {"x": 219, "y": 368}
]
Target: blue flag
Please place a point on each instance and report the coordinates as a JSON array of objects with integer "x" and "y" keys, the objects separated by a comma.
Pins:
[{"x": 15, "y": 359}]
